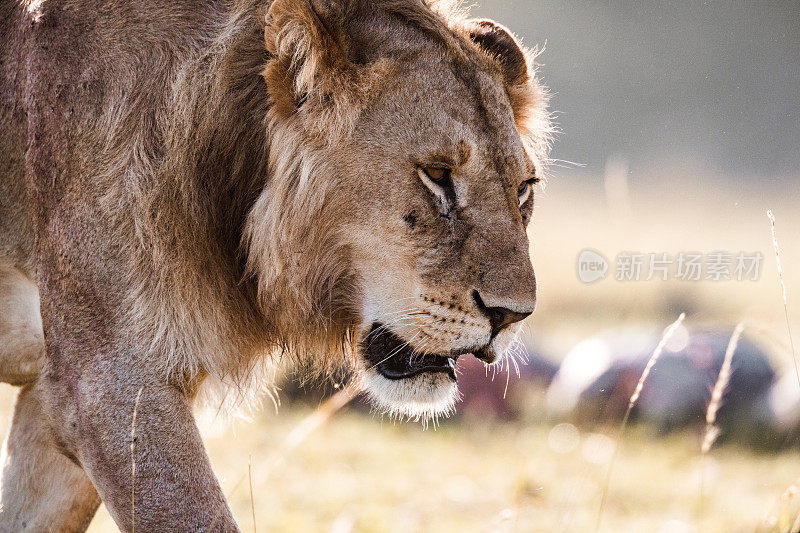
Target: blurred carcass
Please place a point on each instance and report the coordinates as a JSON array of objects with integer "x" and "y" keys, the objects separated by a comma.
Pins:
[
  {"x": 497, "y": 391},
  {"x": 598, "y": 376}
]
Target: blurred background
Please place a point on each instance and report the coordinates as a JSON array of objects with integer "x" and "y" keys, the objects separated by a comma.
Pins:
[{"x": 680, "y": 128}]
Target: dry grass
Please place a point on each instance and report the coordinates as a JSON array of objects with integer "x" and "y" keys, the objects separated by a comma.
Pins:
[
  {"x": 668, "y": 332},
  {"x": 792, "y": 490},
  {"x": 133, "y": 460},
  {"x": 777, "y": 249},
  {"x": 358, "y": 474},
  {"x": 252, "y": 498},
  {"x": 712, "y": 431}
]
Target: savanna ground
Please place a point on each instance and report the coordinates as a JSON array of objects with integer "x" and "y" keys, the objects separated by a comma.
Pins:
[{"x": 359, "y": 472}]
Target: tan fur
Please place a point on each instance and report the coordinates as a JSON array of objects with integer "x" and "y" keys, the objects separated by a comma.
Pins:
[
  {"x": 212, "y": 185},
  {"x": 41, "y": 489},
  {"x": 21, "y": 336}
]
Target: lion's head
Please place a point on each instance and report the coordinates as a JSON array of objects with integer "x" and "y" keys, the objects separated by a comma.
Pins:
[{"x": 405, "y": 144}]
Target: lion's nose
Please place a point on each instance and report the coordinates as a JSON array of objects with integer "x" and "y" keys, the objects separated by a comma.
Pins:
[{"x": 499, "y": 317}]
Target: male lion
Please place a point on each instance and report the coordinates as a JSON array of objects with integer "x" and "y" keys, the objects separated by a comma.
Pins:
[{"x": 192, "y": 188}]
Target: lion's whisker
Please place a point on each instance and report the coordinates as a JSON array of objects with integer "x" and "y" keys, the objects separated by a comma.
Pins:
[{"x": 394, "y": 352}]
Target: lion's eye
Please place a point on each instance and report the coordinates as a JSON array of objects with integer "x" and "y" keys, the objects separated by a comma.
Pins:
[
  {"x": 437, "y": 178},
  {"x": 524, "y": 191},
  {"x": 437, "y": 174}
]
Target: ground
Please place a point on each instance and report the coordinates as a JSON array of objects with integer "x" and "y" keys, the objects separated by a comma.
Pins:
[
  {"x": 358, "y": 473},
  {"x": 361, "y": 473}
]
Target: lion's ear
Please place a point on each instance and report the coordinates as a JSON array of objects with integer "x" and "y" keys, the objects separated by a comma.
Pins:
[
  {"x": 308, "y": 51},
  {"x": 497, "y": 41},
  {"x": 527, "y": 97}
]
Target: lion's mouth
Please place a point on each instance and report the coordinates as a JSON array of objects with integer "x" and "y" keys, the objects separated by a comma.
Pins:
[{"x": 394, "y": 358}]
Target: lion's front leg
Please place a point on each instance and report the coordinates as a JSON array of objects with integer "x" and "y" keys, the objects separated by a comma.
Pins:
[
  {"x": 41, "y": 489},
  {"x": 163, "y": 482}
]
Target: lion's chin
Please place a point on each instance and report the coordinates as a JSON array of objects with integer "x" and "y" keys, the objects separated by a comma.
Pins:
[{"x": 424, "y": 397}]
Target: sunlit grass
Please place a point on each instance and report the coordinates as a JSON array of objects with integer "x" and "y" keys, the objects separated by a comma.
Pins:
[{"x": 370, "y": 476}]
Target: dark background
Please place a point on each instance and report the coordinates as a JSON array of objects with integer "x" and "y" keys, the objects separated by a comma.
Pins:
[{"x": 701, "y": 86}]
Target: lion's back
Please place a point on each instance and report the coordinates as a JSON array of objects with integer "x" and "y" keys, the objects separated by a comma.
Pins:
[{"x": 74, "y": 74}]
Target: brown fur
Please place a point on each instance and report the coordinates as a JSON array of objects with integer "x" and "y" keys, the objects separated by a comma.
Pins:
[{"x": 210, "y": 183}]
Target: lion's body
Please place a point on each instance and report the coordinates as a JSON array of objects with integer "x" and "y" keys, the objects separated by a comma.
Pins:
[
  {"x": 126, "y": 201},
  {"x": 149, "y": 178},
  {"x": 114, "y": 136}
]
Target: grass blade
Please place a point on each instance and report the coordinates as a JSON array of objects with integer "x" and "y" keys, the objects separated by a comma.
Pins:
[
  {"x": 631, "y": 403},
  {"x": 783, "y": 291}
]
